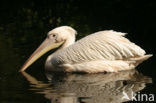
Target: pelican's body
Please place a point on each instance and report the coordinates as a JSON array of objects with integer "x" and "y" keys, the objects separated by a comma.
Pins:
[{"x": 104, "y": 51}]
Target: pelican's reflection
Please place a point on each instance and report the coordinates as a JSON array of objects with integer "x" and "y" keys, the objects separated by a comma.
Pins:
[{"x": 89, "y": 88}]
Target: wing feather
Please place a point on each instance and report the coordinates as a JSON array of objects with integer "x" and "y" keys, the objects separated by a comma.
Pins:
[{"x": 103, "y": 45}]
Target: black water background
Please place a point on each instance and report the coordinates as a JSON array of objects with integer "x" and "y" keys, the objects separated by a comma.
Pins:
[{"x": 24, "y": 24}]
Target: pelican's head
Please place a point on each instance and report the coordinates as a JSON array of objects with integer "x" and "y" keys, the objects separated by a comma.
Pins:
[{"x": 55, "y": 38}]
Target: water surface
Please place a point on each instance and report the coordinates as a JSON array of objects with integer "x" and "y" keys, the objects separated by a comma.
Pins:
[{"x": 24, "y": 25}]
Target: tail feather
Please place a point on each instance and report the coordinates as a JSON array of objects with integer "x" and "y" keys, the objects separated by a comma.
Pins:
[{"x": 139, "y": 60}]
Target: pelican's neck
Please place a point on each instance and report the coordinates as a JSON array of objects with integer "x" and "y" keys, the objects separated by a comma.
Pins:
[{"x": 69, "y": 41}]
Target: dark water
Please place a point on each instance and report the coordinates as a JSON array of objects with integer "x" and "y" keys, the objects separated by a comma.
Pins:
[{"x": 23, "y": 26}]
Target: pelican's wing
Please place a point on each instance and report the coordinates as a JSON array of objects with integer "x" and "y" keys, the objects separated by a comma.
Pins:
[{"x": 103, "y": 45}]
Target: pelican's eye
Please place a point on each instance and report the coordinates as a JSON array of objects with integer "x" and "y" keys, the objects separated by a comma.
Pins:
[{"x": 52, "y": 36}]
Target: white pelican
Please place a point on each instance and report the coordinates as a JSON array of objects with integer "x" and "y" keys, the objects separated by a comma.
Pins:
[{"x": 103, "y": 51}]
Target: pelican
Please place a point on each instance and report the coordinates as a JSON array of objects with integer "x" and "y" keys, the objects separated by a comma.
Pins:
[{"x": 103, "y": 51}]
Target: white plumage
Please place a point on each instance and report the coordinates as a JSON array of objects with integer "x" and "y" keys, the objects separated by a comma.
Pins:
[
  {"x": 103, "y": 51},
  {"x": 103, "y": 45}
]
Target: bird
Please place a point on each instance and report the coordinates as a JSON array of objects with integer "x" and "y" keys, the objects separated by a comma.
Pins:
[{"x": 102, "y": 51}]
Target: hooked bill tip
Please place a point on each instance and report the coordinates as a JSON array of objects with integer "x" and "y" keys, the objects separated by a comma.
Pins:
[{"x": 22, "y": 68}]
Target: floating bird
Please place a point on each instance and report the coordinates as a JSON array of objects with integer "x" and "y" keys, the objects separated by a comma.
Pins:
[{"x": 103, "y": 51}]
